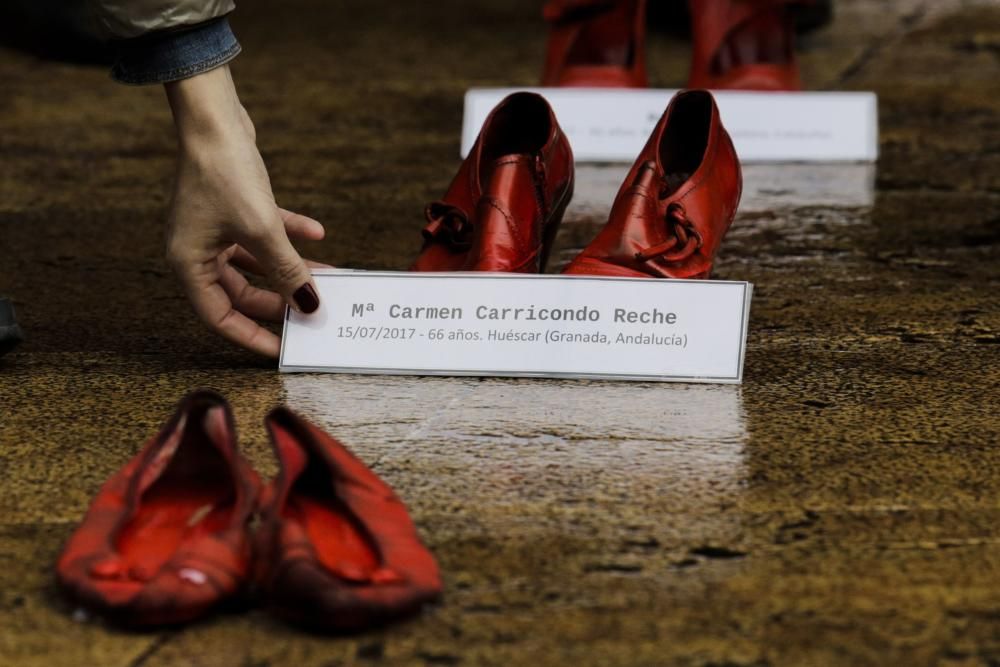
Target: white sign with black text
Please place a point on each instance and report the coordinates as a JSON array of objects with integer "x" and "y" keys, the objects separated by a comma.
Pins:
[
  {"x": 612, "y": 125},
  {"x": 490, "y": 324}
]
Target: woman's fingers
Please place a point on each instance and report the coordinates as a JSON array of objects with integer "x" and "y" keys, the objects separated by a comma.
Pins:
[
  {"x": 213, "y": 306},
  {"x": 246, "y": 262},
  {"x": 300, "y": 226},
  {"x": 284, "y": 268},
  {"x": 252, "y": 301}
]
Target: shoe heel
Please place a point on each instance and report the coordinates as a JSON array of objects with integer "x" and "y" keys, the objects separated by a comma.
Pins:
[{"x": 551, "y": 229}]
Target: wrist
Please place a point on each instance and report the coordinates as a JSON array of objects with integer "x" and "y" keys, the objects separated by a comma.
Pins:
[{"x": 206, "y": 109}]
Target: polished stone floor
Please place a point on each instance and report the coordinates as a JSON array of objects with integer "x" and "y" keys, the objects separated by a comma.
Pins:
[{"x": 842, "y": 507}]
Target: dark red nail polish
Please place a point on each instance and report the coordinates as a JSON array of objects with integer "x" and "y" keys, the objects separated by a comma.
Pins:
[{"x": 306, "y": 298}]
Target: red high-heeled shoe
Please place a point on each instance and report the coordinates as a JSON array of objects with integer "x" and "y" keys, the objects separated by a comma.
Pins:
[
  {"x": 743, "y": 45},
  {"x": 166, "y": 538},
  {"x": 676, "y": 203},
  {"x": 596, "y": 43},
  {"x": 337, "y": 548},
  {"x": 503, "y": 208}
]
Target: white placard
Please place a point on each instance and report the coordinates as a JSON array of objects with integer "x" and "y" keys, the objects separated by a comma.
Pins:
[
  {"x": 612, "y": 125},
  {"x": 521, "y": 325}
]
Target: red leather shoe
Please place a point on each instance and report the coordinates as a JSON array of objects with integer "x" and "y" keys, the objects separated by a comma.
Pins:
[
  {"x": 676, "y": 203},
  {"x": 339, "y": 550},
  {"x": 503, "y": 209},
  {"x": 744, "y": 45},
  {"x": 166, "y": 537},
  {"x": 596, "y": 43}
]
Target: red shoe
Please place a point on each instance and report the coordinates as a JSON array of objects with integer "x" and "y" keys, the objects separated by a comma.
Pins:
[
  {"x": 166, "y": 537},
  {"x": 676, "y": 203},
  {"x": 596, "y": 43},
  {"x": 503, "y": 209},
  {"x": 743, "y": 45},
  {"x": 339, "y": 550}
]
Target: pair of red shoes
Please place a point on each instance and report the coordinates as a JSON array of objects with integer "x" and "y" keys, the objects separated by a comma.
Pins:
[
  {"x": 170, "y": 536},
  {"x": 502, "y": 210},
  {"x": 737, "y": 44}
]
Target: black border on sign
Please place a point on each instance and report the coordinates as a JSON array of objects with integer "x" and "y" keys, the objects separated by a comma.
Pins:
[{"x": 380, "y": 370}]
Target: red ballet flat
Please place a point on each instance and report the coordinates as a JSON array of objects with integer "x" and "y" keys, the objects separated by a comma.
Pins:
[
  {"x": 596, "y": 43},
  {"x": 166, "y": 538},
  {"x": 338, "y": 550},
  {"x": 677, "y": 201},
  {"x": 744, "y": 45}
]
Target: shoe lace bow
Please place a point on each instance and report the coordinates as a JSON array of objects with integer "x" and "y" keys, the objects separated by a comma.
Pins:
[
  {"x": 448, "y": 224},
  {"x": 684, "y": 240}
]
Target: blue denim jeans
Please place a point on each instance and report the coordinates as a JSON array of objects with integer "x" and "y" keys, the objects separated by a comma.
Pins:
[{"x": 170, "y": 55}]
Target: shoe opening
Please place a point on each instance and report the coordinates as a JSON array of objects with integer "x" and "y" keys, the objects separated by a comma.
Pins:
[
  {"x": 192, "y": 450},
  {"x": 342, "y": 542},
  {"x": 521, "y": 125},
  {"x": 765, "y": 38},
  {"x": 685, "y": 138},
  {"x": 192, "y": 495},
  {"x": 606, "y": 36}
]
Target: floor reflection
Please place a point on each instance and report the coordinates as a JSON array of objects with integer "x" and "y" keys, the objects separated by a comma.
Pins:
[
  {"x": 535, "y": 437},
  {"x": 768, "y": 187},
  {"x": 774, "y": 191},
  {"x": 765, "y": 187}
]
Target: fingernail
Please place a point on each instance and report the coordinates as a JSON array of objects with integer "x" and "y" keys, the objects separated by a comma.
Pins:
[{"x": 306, "y": 298}]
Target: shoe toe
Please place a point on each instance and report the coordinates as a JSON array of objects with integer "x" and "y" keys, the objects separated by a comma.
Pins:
[
  {"x": 308, "y": 593},
  {"x": 173, "y": 596}
]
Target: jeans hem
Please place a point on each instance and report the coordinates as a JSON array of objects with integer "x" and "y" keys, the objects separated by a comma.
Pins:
[{"x": 177, "y": 73}]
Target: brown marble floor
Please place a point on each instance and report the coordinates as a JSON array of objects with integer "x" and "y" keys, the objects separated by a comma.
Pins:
[{"x": 842, "y": 507}]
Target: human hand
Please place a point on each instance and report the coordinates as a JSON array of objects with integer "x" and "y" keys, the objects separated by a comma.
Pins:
[{"x": 223, "y": 217}]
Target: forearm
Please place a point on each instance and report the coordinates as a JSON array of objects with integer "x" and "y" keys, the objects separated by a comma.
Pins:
[
  {"x": 206, "y": 108},
  {"x": 223, "y": 215}
]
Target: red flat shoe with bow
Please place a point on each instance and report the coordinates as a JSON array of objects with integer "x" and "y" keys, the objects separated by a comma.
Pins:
[
  {"x": 676, "y": 203},
  {"x": 338, "y": 549},
  {"x": 744, "y": 45},
  {"x": 166, "y": 538},
  {"x": 596, "y": 43},
  {"x": 503, "y": 208}
]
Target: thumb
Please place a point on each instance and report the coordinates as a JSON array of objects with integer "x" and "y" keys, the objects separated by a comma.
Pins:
[{"x": 285, "y": 269}]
